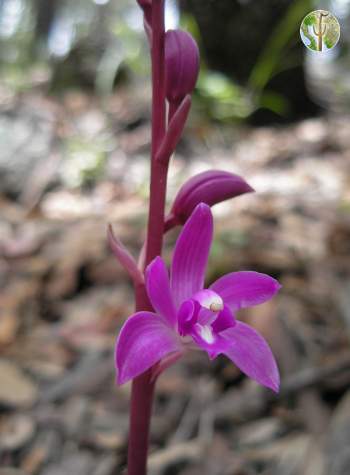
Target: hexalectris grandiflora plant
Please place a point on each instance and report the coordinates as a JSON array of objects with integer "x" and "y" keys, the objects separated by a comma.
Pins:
[{"x": 176, "y": 313}]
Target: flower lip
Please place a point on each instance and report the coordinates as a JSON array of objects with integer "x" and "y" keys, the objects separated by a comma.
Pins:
[{"x": 205, "y": 332}]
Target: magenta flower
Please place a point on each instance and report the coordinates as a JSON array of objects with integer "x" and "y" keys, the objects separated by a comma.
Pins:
[{"x": 188, "y": 316}]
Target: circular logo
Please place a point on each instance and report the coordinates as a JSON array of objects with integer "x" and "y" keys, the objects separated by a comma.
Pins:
[{"x": 320, "y": 31}]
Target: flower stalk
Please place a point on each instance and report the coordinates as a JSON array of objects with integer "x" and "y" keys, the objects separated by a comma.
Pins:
[
  {"x": 143, "y": 386},
  {"x": 176, "y": 313},
  {"x": 159, "y": 169}
]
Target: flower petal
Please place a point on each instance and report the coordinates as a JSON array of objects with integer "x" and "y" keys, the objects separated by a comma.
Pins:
[
  {"x": 144, "y": 339},
  {"x": 191, "y": 254},
  {"x": 187, "y": 316},
  {"x": 245, "y": 289},
  {"x": 158, "y": 290},
  {"x": 224, "y": 320},
  {"x": 250, "y": 352}
]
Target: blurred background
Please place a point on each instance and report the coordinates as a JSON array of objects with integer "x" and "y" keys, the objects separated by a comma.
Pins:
[{"x": 74, "y": 155}]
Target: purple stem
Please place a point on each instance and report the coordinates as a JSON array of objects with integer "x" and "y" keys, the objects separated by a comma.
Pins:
[
  {"x": 159, "y": 171},
  {"x": 143, "y": 386}
]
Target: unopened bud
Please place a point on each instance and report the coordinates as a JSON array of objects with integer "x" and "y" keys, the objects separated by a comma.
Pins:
[
  {"x": 181, "y": 64},
  {"x": 210, "y": 187}
]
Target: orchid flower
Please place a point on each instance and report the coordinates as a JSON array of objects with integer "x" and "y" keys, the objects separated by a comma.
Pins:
[{"x": 186, "y": 315}]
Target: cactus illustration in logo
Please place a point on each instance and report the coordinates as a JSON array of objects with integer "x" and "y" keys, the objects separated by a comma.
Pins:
[{"x": 320, "y": 31}]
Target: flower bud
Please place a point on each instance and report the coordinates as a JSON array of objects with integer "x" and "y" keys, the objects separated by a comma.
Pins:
[
  {"x": 209, "y": 187},
  {"x": 181, "y": 64}
]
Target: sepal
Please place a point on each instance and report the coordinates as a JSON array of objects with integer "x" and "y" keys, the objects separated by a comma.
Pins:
[{"x": 144, "y": 340}]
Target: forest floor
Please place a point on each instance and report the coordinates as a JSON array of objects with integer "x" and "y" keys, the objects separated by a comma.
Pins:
[{"x": 64, "y": 297}]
